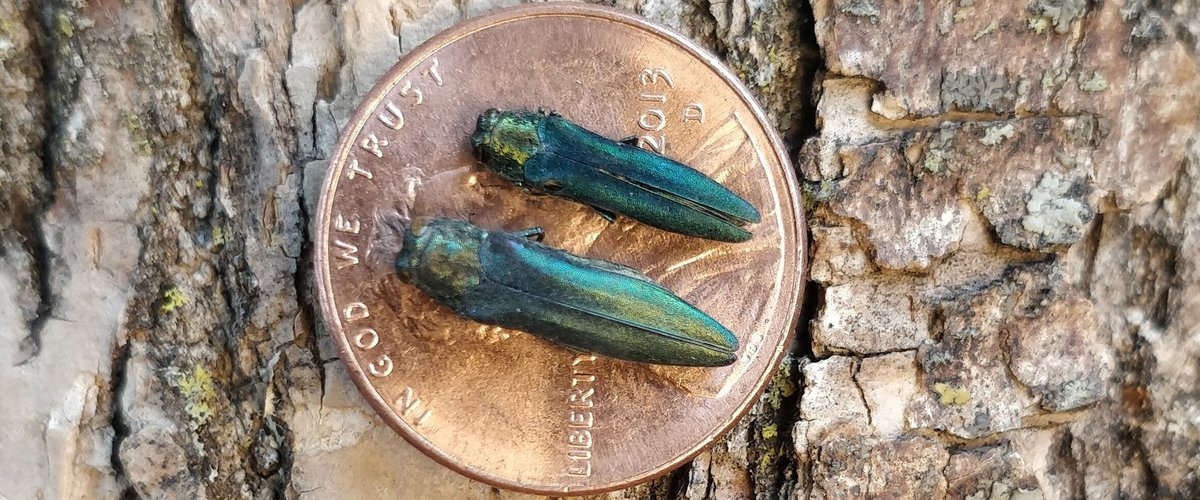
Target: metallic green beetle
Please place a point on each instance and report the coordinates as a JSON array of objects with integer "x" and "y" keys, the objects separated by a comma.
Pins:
[
  {"x": 546, "y": 154},
  {"x": 509, "y": 280}
]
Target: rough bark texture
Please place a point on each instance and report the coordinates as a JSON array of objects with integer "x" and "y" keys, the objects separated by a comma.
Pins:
[{"x": 1005, "y": 209}]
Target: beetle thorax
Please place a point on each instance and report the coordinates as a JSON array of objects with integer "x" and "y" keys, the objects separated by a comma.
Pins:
[
  {"x": 445, "y": 259},
  {"x": 505, "y": 141}
]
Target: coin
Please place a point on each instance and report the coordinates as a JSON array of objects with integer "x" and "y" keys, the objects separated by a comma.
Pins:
[{"x": 502, "y": 406}]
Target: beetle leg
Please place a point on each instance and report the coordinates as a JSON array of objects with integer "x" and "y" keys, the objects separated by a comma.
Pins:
[
  {"x": 630, "y": 141},
  {"x": 533, "y": 233}
]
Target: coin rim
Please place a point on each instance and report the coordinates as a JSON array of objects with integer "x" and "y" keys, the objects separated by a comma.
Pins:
[{"x": 418, "y": 55}]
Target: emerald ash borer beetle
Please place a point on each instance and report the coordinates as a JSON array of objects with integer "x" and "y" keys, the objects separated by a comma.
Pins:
[
  {"x": 513, "y": 281},
  {"x": 547, "y": 154}
]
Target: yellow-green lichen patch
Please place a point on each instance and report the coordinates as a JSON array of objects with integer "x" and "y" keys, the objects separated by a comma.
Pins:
[
  {"x": 1096, "y": 83},
  {"x": 767, "y": 460},
  {"x": 977, "y": 90},
  {"x": 861, "y": 8},
  {"x": 1039, "y": 24},
  {"x": 1060, "y": 13},
  {"x": 950, "y": 395},
  {"x": 939, "y": 152},
  {"x": 65, "y": 26},
  {"x": 983, "y": 192},
  {"x": 769, "y": 431},
  {"x": 962, "y": 14},
  {"x": 781, "y": 387},
  {"x": 986, "y": 31},
  {"x": 137, "y": 135},
  {"x": 219, "y": 237},
  {"x": 996, "y": 134},
  {"x": 1053, "y": 78},
  {"x": 173, "y": 299},
  {"x": 934, "y": 159},
  {"x": 816, "y": 192},
  {"x": 1057, "y": 211},
  {"x": 199, "y": 395}
]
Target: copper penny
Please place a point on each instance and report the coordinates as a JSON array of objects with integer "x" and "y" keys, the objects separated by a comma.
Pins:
[{"x": 502, "y": 406}]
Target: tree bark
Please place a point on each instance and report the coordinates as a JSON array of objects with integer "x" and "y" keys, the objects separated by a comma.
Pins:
[{"x": 1005, "y": 222}]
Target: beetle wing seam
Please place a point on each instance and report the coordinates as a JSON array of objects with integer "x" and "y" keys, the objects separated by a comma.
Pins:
[
  {"x": 674, "y": 336},
  {"x": 686, "y": 202}
]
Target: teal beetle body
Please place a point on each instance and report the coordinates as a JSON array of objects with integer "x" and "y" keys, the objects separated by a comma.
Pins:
[
  {"x": 590, "y": 305},
  {"x": 547, "y": 154}
]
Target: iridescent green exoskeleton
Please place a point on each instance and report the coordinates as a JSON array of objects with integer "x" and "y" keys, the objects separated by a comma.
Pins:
[
  {"x": 546, "y": 154},
  {"x": 510, "y": 280}
]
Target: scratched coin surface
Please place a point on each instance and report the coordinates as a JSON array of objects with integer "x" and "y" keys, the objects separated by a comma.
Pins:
[{"x": 503, "y": 406}]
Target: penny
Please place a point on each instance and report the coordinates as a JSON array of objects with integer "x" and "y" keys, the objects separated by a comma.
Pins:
[{"x": 503, "y": 406}]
